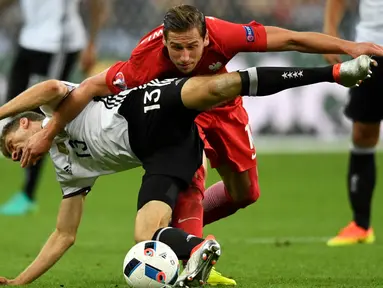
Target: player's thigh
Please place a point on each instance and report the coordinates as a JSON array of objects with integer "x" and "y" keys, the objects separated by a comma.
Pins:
[
  {"x": 27, "y": 63},
  {"x": 365, "y": 108},
  {"x": 20, "y": 73},
  {"x": 42, "y": 63},
  {"x": 156, "y": 200},
  {"x": 229, "y": 136},
  {"x": 204, "y": 123},
  {"x": 164, "y": 97},
  {"x": 156, "y": 115}
]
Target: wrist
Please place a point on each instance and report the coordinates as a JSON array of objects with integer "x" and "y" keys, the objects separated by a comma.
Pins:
[
  {"x": 50, "y": 131},
  {"x": 348, "y": 47},
  {"x": 16, "y": 282}
]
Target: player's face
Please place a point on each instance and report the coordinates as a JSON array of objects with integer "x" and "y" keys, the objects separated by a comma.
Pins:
[
  {"x": 15, "y": 141},
  {"x": 186, "y": 48}
]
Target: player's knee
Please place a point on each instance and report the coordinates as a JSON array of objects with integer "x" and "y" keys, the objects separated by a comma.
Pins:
[
  {"x": 151, "y": 217},
  {"x": 250, "y": 197},
  {"x": 146, "y": 234},
  {"x": 365, "y": 135},
  {"x": 250, "y": 191}
]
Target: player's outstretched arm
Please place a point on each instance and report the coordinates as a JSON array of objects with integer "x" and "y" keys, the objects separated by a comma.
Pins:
[
  {"x": 204, "y": 92},
  {"x": 279, "y": 39},
  {"x": 50, "y": 92},
  {"x": 58, "y": 243}
]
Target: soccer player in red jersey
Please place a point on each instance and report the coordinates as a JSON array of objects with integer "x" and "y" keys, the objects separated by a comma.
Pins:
[{"x": 190, "y": 44}]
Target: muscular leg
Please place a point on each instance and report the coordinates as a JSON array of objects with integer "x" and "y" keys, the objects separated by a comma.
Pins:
[
  {"x": 364, "y": 108},
  {"x": 362, "y": 171},
  {"x": 156, "y": 201},
  {"x": 232, "y": 141},
  {"x": 154, "y": 214}
]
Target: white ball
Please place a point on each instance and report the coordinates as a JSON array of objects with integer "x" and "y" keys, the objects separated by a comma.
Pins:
[{"x": 151, "y": 264}]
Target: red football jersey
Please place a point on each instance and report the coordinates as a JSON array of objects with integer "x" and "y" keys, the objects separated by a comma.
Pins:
[{"x": 150, "y": 59}]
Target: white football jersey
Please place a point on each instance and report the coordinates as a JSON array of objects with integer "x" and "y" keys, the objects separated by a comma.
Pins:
[
  {"x": 370, "y": 26},
  {"x": 95, "y": 143},
  {"x": 52, "y": 26}
]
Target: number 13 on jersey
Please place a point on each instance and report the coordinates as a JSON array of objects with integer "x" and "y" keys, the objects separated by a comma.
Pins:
[{"x": 151, "y": 100}]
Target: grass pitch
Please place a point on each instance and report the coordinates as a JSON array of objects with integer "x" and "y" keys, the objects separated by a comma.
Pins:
[{"x": 278, "y": 242}]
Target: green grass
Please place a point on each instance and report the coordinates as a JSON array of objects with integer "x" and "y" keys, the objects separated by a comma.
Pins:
[{"x": 274, "y": 243}]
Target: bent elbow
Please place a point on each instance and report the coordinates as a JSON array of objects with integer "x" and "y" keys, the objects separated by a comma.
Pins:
[
  {"x": 70, "y": 240},
  {"x": 290, "y": 40},
  {"x": 66, "y": 239},
  {"x": 56, "y": 87}
]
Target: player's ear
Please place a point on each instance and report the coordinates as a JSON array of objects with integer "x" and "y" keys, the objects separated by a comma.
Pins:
[
  {"x": 163, "y": 40},
  {"x": 206, "y": 40},
  {"x": 24, "y": 123}
]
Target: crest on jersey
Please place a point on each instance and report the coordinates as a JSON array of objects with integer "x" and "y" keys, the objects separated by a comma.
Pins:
[
  {"x": 119, "y": 81},
  {"x": 249, "y": 33},
  {"x": 215, "y": 66}
]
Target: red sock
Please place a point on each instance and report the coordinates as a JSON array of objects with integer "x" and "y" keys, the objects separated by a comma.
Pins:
[{"x": 188, "y": 212}]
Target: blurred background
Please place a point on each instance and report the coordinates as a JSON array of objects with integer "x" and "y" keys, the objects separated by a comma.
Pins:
[{"x": 305, "y": 115}]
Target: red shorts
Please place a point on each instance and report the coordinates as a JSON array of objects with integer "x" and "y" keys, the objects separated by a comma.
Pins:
[{"x": 227, "y": 136}]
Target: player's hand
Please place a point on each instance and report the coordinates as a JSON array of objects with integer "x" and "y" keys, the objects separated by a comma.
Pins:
[
  {"x": 35, "y": 148},
  {"x": 364, "y": 48},
  {"x": 7, "y": 282},
  {"x": 332, "y": 58},
  {"x": 3, "y": 281},
  {"x": 88, "y": 58}
]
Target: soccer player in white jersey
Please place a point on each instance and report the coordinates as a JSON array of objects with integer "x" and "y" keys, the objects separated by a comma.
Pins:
[
  {"x": 51, "y": 41},
  {"x": 365, "y": 109},
  {"x": 153, "y": 126}
]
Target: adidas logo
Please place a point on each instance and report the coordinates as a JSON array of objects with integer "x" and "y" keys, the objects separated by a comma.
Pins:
[
  {"x": 68, "y": 169},
  {"x": 163, "y": 255}
]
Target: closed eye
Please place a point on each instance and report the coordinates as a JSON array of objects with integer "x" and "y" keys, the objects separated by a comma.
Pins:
[{"x": 9, "y": 147}]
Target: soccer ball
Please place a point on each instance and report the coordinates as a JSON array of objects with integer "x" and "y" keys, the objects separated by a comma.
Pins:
[{"x": 151, "y": 264}]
